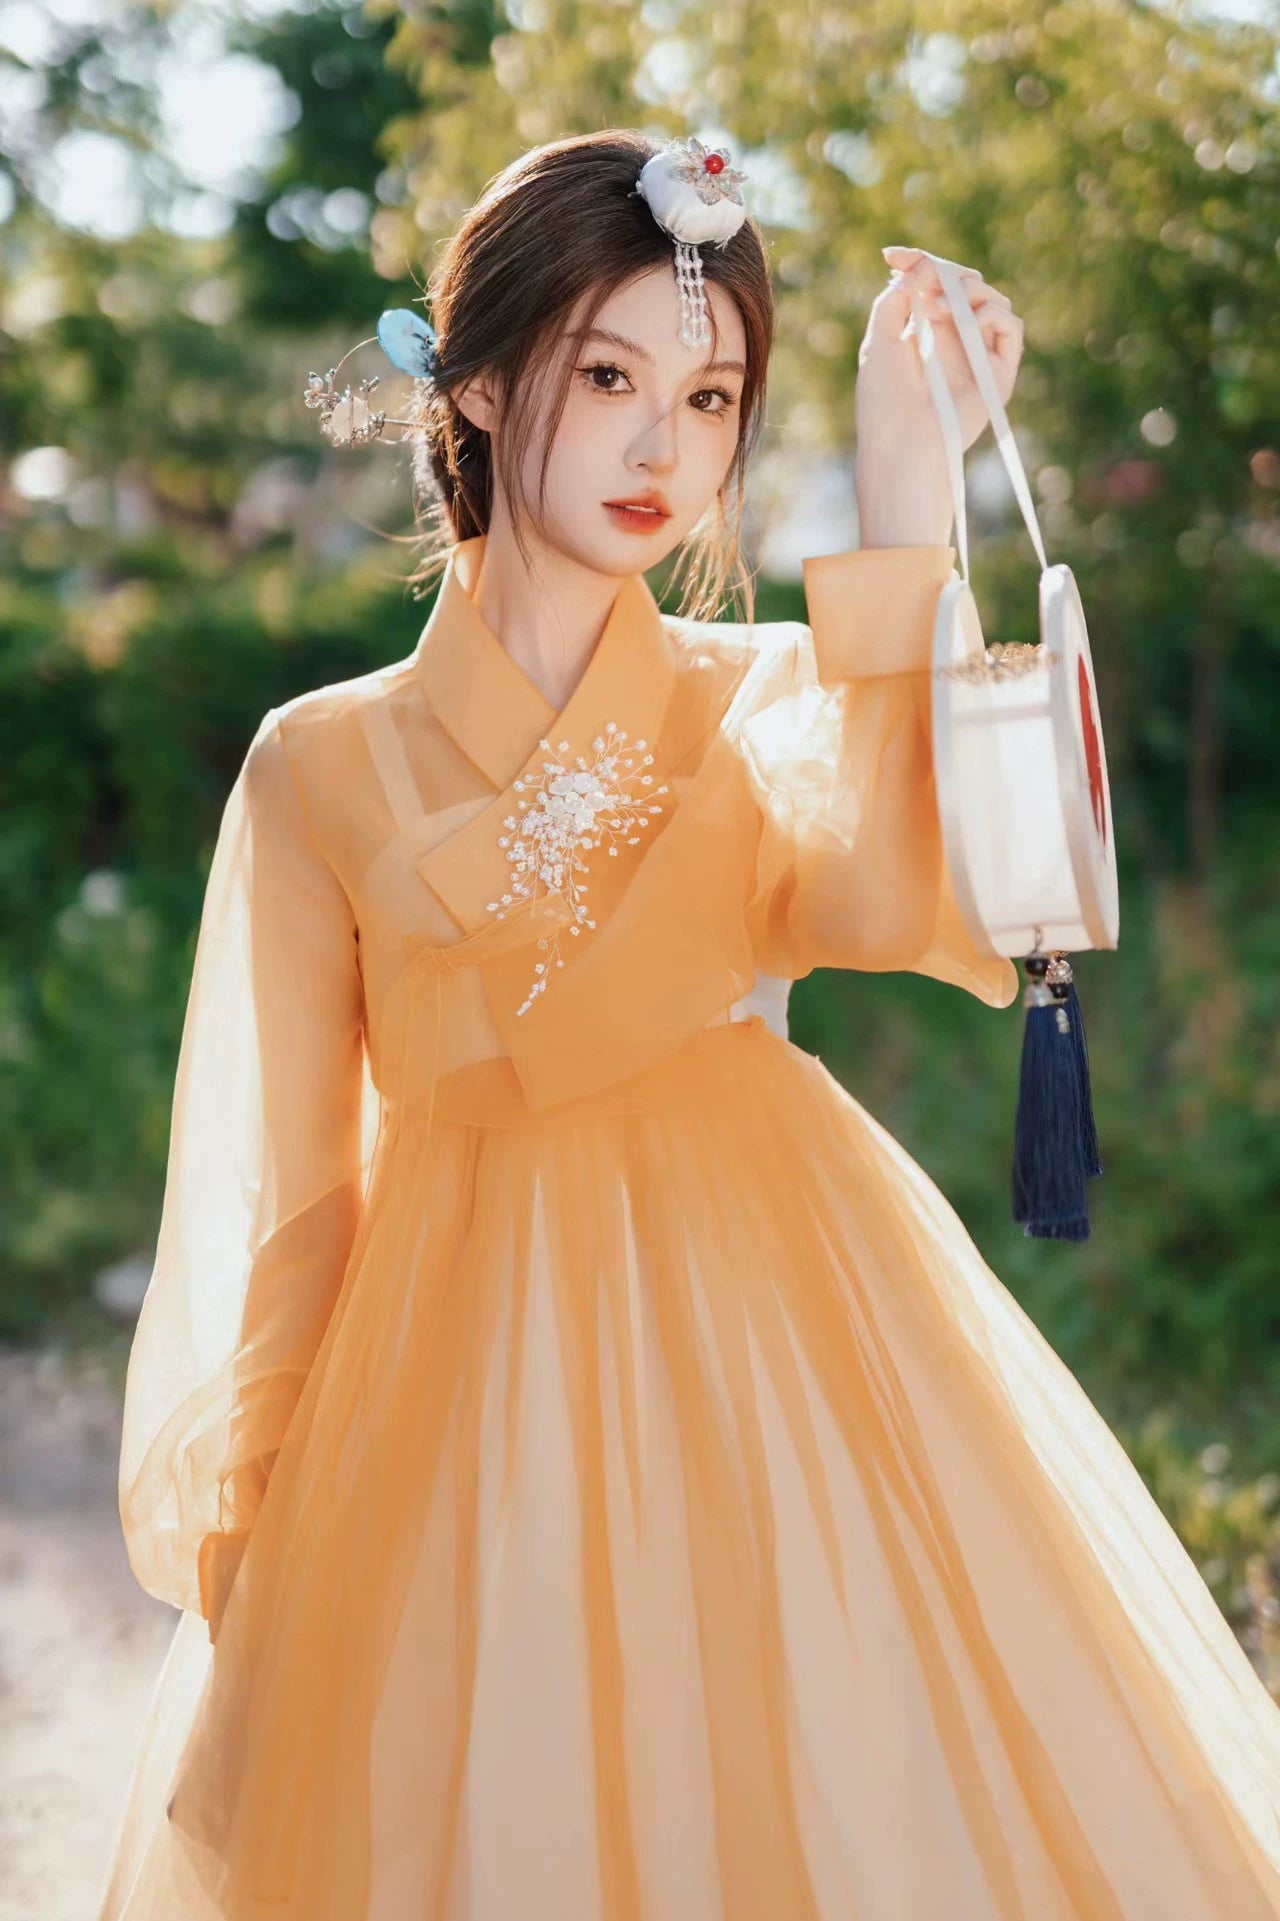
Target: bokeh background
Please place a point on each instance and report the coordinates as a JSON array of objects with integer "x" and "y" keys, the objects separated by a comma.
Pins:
[{"x": 200, "y": 202}]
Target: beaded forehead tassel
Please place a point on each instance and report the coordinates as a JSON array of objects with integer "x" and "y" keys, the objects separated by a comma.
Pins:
[{"x": 692, "y": 192}]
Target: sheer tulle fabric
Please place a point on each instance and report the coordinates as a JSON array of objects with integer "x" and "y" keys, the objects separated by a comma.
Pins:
[
  {"x": 627, "y": 1493},
  {"x": 681, "y": 1543},
  {"x": 263, "y": 1190}
]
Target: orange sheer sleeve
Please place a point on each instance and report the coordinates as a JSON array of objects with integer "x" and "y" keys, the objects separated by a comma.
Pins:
[
  {"x": 263, "y": 1190},
  {"x": 850, "y": 870}
]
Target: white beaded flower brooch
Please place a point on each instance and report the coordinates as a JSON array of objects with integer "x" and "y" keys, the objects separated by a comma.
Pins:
[{"x": 574, "y": 810}]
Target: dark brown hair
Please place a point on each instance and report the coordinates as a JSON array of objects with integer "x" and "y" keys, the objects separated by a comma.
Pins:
[{"x": 559, "y": 227}]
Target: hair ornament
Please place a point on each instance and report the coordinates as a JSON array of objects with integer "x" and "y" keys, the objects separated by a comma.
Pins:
[
  {"x": 692, "y": 192},
  {"x": 409, "y": 342}
]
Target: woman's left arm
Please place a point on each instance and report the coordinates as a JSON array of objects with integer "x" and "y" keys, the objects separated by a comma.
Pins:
[{"x": 851, "y": 870}]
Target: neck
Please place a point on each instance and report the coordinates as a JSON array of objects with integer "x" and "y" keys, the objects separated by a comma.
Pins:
[{"x": 549, "y": 612}]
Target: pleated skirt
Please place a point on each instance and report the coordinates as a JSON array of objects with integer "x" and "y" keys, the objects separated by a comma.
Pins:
[{"x": 682, "y": 1522}]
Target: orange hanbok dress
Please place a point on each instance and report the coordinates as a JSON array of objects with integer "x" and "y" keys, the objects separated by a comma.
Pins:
[{"x": 602, "y": 1479}]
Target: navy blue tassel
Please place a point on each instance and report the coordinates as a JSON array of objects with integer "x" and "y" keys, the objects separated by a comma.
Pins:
[
  {"x": 1088, "y": 1129},
  {"x": 1055, "y": 1143}
]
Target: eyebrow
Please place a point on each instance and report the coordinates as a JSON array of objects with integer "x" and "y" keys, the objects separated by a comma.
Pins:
[{"x": 641, "y": 353}]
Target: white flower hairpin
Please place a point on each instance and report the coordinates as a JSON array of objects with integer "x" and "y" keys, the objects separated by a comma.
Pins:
[
  {"x": 347, "y": 419},
  {"x": 692, "y": 192}
]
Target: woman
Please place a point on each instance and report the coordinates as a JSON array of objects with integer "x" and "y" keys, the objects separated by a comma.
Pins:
[{"x": 626, "y": 1492}]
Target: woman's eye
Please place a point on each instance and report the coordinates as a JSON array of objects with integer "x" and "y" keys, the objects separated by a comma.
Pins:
[
  {"x": 716, "y": 393},
  {"x": 612, "y": 374},
  {"x": 602, "y": 367}
]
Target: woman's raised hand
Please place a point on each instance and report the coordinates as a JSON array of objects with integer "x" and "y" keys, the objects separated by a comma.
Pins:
[{"x": 904, "y": 491}]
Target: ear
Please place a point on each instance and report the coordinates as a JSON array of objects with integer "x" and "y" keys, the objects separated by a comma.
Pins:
[{"x": 475, "y": 399}]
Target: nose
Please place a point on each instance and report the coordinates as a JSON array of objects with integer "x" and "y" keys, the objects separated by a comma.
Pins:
[{"x": 657, "y": 445}]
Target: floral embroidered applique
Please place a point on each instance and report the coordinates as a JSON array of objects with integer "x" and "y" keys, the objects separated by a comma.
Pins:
[{"x": 574, "y": 810}]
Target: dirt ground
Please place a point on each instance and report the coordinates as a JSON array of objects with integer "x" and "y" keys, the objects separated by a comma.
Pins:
[{"x": 80, "y": 1642}]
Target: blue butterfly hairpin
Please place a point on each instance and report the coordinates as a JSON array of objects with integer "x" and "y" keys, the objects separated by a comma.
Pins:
[{"x": 409, "y": 342}]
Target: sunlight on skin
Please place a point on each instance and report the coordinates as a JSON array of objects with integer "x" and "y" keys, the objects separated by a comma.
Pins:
[{"x": 653, "y": 415}]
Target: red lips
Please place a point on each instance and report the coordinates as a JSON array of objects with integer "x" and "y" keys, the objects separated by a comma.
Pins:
[{"x": 652, "y": 499}]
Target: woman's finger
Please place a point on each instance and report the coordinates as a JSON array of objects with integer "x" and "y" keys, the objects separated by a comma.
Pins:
[
  {"x": 975, "y": 289},
  {"x": 904, "y": 258},
  {"x": 914, "y": 288},
  {"x": 923, "y": 272},
  {"x": 1001, "y": 331},
  {"x": 983, "y": 300},
  {"x": 939, "y": 313}
]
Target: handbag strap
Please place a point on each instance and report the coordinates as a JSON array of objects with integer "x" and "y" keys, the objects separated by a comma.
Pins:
[{"x": 948, "y": 420}]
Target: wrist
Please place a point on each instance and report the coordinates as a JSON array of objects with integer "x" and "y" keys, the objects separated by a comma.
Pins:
[
  {"x": 904, "y": 515},
  {"x": 907, "y": 532},
  {"x": 901, "y": 502}
]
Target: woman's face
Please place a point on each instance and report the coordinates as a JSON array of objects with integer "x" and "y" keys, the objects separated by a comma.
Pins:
[{"x": 645, "y": 414}]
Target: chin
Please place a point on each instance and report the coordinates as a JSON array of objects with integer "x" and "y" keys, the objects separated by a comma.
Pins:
[{"x": 618, "y": 554}]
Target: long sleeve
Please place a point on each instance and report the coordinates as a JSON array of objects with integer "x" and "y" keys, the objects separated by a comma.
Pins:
[
  {"x": 850, "y": 870},
  {"x": 263, "y": 1189}
]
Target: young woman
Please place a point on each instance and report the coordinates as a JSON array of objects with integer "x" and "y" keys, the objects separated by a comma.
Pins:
[{"x": 625, "y": 1494}]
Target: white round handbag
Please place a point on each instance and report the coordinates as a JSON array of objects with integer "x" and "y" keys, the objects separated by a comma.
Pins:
[{"x": 1025, "y": 808}]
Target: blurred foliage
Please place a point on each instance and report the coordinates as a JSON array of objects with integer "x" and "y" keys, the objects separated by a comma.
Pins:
[
  {"x": 1228, "y": 1516},
  {"x": 179, "y": 549}
]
